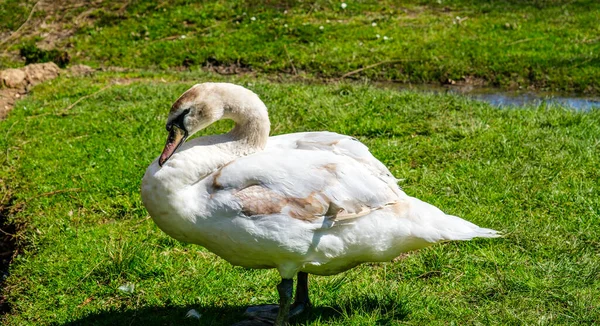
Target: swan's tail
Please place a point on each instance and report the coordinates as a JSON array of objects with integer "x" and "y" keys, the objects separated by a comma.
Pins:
[{"x": 433, "y": 225}]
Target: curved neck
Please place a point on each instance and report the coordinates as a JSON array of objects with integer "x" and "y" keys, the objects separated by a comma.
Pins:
[{"x": 251, "y": 126}]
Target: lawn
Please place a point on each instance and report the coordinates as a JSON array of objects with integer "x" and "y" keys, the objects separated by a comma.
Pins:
[
  {"x": 539, "y": 44},
  {"x": 71, "y": 175},
  {"x": 73, "y": 152}
]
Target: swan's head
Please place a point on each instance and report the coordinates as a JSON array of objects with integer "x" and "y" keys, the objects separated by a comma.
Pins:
[
  {"x": 204, "y": 104},
  {"x": 193, "y": 111}
]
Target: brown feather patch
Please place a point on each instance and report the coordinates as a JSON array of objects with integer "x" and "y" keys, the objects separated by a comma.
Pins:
[
  {"x": 258, "y": 200},
  {"x": 189, "y": 95},
  {"x": 400, "y": 208},
  {"x": 330, "y": 167},
  {"x": 216, "y": 184}
]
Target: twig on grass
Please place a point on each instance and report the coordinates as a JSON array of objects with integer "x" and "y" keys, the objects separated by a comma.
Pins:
[
  {"x": 83, "y": 98},
  {"x": 52, "y": 193},
  {"x": 527, "y": 40},
  {"x": 168, "y": 38},
  {"x": 429, "y": 274},
  {"x": 589, "y": 41},
  {"x": 25, "y": 23},
  {"x": 371, "y": 66},
  {"x": 10, "y": 234}
]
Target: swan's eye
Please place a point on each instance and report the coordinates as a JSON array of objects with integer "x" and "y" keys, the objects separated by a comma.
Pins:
[
  {"x": 181, "y": 116},
  {"x": 178, "y": 121}
]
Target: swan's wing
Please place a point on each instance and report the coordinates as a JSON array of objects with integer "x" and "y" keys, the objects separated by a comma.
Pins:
[
  {"x": 302, "y": 184},
  {"x": 338, "y": 144}
]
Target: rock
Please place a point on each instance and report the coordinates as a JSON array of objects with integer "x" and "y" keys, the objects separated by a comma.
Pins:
[
  {"x": 13, "y": 78},
  {"x": 15, "y": 82},
  {"x": 40, "y": 72},
  {"x": 29, "y": 75},
  {"x": 7, "y": 101}
]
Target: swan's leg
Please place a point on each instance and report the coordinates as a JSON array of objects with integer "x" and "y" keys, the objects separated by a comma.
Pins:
[
  {"x": 271, "y": 313},
  {"x": 301, "y": 302},
  {"x": 285, "y": 289}
]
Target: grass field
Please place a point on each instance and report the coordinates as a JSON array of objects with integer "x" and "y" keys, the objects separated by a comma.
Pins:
[
  {"x": 73, "y": 173},
  {"x": 551, "y": 45},
  {"x": 73, "y": 151}
]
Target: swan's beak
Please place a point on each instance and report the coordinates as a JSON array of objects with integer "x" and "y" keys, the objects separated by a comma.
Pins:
[{"x": 177, "y": 136}]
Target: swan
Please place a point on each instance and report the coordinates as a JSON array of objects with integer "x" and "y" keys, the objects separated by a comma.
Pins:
[{"x": 303, "y": 203}]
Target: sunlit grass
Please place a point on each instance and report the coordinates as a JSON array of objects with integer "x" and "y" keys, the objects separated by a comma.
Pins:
[
  {"x": 545, "y": 44},
  {"x": 75, "y": 176}
]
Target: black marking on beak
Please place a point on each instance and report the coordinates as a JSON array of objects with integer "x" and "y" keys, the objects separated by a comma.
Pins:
[{"x": 177, "y": 136}]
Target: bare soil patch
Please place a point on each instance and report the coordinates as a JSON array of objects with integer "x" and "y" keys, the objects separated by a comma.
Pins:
[
  {"x": 8, "y": 247},
  {"x": 236, "y": 68},
  {"x": 16, "y": 82},
  {"x": 59, "y": 20}
]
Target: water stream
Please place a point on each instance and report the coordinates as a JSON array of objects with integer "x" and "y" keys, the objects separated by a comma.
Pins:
[{"x": 504, "y": 99}]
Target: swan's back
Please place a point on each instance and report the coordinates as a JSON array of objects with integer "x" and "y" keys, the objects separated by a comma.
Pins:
[
  {"x": 314, "y": 210},
  {"x": 341, "y": 145}
]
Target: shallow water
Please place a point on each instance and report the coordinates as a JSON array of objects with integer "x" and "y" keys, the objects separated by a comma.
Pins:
[
  {"x": 504, "y": 99},
  {"x": 515, "y": 99}
]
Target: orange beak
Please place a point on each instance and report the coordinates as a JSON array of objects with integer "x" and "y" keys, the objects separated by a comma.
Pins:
[{"x": 177, "y": 136}]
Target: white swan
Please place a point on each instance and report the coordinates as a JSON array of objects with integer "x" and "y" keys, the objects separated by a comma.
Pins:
[{"x": 315, "y": 202}]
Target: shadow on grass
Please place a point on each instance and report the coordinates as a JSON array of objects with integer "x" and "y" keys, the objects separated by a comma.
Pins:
[{"x": 387, "y": 310}]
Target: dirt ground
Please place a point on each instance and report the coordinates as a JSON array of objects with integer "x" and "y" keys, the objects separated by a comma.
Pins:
[{"x": 55, "y": 21}]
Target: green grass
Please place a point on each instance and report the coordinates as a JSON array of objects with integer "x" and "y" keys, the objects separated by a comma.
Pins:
[
  {"x": 74, "y": 179},
  {"x": 551, "y": 45}
]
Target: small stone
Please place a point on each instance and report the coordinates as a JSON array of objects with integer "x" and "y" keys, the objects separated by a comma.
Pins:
[
  {"x": 193, "y": 313},
  {"x": 127, "y": 287},
  {"x": 40, "y": 72},
  {"x": 13, "y": 78}
]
